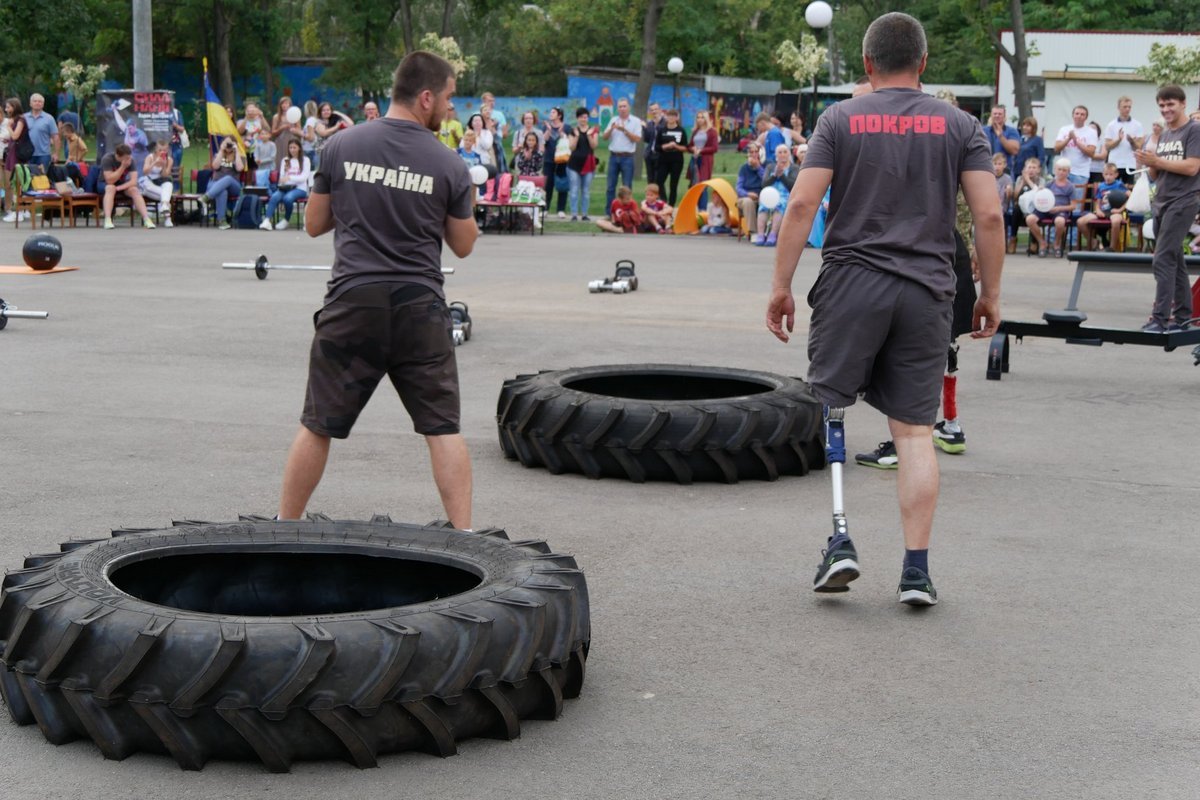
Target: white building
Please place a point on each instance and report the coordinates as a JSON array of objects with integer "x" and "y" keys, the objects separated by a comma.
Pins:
[{"x": 1088, "y": 68}]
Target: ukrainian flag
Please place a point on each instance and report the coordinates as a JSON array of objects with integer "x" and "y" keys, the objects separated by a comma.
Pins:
[{"x": 219, "y": 123}]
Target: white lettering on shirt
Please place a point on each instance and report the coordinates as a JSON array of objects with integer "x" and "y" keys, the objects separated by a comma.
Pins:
[{"x": 399, "y": 178}]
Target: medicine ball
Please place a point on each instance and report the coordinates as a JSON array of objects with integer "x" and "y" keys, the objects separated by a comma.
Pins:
[
  {"x": 42, "y": 251},
  {"x": 1116, "y": 198}
]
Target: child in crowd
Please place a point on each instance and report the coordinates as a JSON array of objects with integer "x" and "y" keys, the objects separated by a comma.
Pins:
[
  {"x": 1059, "y": 214},
  {"x": 1105, "y": 210},
  {"x": 718, "y": 216},
  {"x": 76, "y": 147},
  {"x": 1030, "y": 180},
  {"x": 466, "y": 148},
  {"x": 1004, "y": 186},
  {"x": 656, "y": 214},
  {"x": 625, "y": 215}
]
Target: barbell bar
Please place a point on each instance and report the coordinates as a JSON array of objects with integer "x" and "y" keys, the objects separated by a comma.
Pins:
[
  {"x": 7, "y": 312},
  {"x": 262, "y": 266}
]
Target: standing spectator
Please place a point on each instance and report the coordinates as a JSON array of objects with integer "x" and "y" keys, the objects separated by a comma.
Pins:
[
  {"x": 308, "y": 134},
  {"x": 582, "y": 165},
  {"x": 749, "y": 184},
  {"x": 484, "y": 141},
  {"x": 529, "y": 121},
  {"x": 1077, "y": 143},
  {"x": 528, "y": 160},
  {"x": 451, "y": 131},
  {"x": 283, "y": 132},
  {"x": 121, "y": 177},
  {"x": 1175, "y": 169},
  {"x": 67, "y": 117},
  {"x": 370, "y": 111},
  {"x": 654, "y": 123},
  {"x": 1032, "y": 145},
  {"x": 74, "y": 144},
  {"x": 385, "y": 312},
  {"x": 769, "y": 137},
  {"x": 1156, "y": 130},
  {"x": 329, "y": 122},
  {"x": 177, "y": 129},
  {"x": 1100, "y": 157},
  {"x": 1004, "y": 188},
  {"x": 295, "y": 172},
  {"x": 704, "y": 146},
  {"x": 13, "y": 136},
  {"x": 43, "y": 132},
  {"x": 623, "y": 133},
  {"x": 1002, "y": 137},
  {"x": 226, "y": 182},
  {"x": 487, "y": 106},
  {"x": 671, "y": 145},
  {"x": 252, "y": 128},
  {"x": 797, "y": 127},
  {"x": 1123, "y": 137},
  {"x": 554, "y": 165},
  {"x": 155, "y": 181}
]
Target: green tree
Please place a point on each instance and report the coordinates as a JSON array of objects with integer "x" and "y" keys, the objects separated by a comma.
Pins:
[{"x": 1172, "y": 64}]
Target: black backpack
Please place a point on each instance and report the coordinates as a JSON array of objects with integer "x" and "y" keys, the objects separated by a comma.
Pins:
[{"x": 247, "y": 212}]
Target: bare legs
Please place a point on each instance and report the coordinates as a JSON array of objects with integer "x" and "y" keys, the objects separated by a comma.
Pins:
[
  {"x": 305, "y": 466},
  {"x": 917, "y": 481}
]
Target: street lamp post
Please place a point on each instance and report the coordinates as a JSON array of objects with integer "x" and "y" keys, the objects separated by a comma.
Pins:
[
  {"x": 818, "y": 15},
  {"x": 675, "y": 66}
]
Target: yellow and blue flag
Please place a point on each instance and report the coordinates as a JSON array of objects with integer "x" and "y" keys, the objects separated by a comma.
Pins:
[{"x": 220, "y": 125}]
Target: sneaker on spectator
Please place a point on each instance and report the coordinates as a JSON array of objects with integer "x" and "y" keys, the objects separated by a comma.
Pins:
[
  {"x": 224, "y": 226},
  {"x": 23, "y": 216},
  {"x": 585, "y": 218},
  {"x": 10, "y": 216},
  {"x": 203, "y": 207},
  {"x": 758, "y": 240},
  {"x": 108, "y": 224},
  {"x": 281, "y": 225},
  {"x": 839, "y": 566},
  {"x": 265, "y": 224},
  {"x": 562, "y": 215},
  {"x": 771, "y": 240},
  {"x": 882, "y": 457},
  {"x": 167, "y": 223},
  {"x": 148, "y": 224},
  {"x": 953, "y": 443},
  {"x": 916, "y": 589}
]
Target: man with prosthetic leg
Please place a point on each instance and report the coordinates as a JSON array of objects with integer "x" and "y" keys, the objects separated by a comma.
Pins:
[{"x": 882, "y": 303}]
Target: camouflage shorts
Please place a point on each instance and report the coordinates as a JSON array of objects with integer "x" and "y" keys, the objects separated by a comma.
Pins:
[{"x": 396, "y": 329}]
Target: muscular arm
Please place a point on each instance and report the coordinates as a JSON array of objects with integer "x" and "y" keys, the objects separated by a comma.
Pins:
[
  {"x": 318, "y": 215},
  {"x": 979, "y": 189},
  {"x": 460, "y": 235},
  {"x": 802, "y": 207}
]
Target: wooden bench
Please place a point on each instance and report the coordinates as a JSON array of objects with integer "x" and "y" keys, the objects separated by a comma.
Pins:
[{"x": 1067, "y": 323}]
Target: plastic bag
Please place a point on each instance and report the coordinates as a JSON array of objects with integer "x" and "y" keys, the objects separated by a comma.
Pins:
[{"x": 1139, "y": 198}]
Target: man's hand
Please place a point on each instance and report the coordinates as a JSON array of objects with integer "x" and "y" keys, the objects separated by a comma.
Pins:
[
  {"x": 985, "y": 309},
  {"x": 1145, "y": 158},
  {"x": 781, "y": 313}
]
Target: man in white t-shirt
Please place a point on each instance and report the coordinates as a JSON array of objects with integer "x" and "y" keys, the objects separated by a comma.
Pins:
[
  {"x": 1077, "y": 143},
  {"x": 1123, "y": 136},
  {"x": 623, "y": 133}
]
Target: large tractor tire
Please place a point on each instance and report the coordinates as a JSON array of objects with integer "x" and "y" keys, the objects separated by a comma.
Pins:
[
  {"x": 659, "y": 422},
  {"x": 281, "y": 641}
]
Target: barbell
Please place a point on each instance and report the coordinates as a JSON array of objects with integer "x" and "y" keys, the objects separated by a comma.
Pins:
[
  {"x": 7, "y": 311},
  {"x": 262, "y": 265}
]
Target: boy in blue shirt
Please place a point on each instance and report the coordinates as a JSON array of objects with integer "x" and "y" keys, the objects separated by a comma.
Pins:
[{"x": 1105, "y": 213}]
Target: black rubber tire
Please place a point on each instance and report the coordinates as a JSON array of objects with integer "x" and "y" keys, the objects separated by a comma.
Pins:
[
  {"x": 651, "y": 422},
  {"x": 84, "y": 659}
]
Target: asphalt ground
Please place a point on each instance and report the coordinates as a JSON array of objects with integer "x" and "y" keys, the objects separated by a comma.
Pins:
[{"x": 1061, "y": 662}]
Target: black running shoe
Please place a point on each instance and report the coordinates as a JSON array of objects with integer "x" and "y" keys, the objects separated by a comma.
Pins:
[
  {"x": 882, "y": 457},
  {"x": 839, "y": 566},
  {"x": 916, "y": 589}
]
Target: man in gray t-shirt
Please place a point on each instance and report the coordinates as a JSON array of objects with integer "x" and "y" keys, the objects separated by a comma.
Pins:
[
  {"x": 1175, "y": 169},
  {"x": 391, "y": 192},
  {"x": 893, "y": 161}
]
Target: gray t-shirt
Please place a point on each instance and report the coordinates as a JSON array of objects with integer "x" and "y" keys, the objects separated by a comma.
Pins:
[
  {"x": 896, "y": 156},
  {"x": 1176, "y": 145},
  {"x": 391, "y": 186}
]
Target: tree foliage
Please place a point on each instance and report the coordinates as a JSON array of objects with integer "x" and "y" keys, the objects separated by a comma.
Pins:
[{"x": 1172, "y": 64}]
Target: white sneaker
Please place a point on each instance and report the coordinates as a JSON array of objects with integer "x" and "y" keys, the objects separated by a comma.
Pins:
[
  {"x": 265, "y": 224},
  {"x": 148, "y": 224},
  {"x": 10, "y": 216},
  {"x": 108, "y": 224},
  {"x": 24, "y": 215},
  {"x": 282, "y": 225},
  {"x": 167, "y": 223},
  {"x": 562, "y": 215},
  {"x": 224, "y": 226}
]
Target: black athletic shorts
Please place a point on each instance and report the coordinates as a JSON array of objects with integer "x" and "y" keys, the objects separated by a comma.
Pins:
[
  {"x": 880, "y": 335},
  {"x": 396, "y": 329}
]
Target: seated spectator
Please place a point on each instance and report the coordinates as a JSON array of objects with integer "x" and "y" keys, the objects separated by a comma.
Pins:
[
  {"x": 1103, "y": 209},
  {"x": 657, "y": 216},
  {"x": 1032, "y": 145},
  {"x": 529, "y": 158},
  {"x": 264, "y": 160},
  {"x": 226, "y": 183},
  {"x": 718, "y": 216},
  {"x": 1059, "y": 214},
  {"x": 529, "y": 124},
  {"x": 1030, "y": 180},
  {"x": 120, "y": 177},
  {"x": 1004, "y": 186},
  {"x": 294, "y": 174},
  {"x": 625, "y": 215},
  {"x": 749, "y": 184},
  {"x": 155, "y": 182},
  {"x": 782, "y": 175}
]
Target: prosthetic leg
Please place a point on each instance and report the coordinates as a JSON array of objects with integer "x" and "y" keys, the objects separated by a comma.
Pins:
[
  {"x": 839, "y": 564},
  {"x": 948, "y": 434}
]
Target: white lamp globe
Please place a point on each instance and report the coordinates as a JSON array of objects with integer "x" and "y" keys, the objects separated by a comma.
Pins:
[
  {"x": 818, "y": 14},
  {"x": 675, "y": 65}
]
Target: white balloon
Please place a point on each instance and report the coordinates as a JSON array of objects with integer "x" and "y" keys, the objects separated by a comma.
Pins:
[
  {"x": 769, "y": 198},
  {"x": 1148, "y": 228},
  {"x": 675, "y": 65},
  {"x": 1043, "y": 200},
  {"x": 1025, "y": 201},
  {"x": 293, "y": 115},
  {"x": 478, "y": 174},
  {"x": 818, "y": 14}
]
